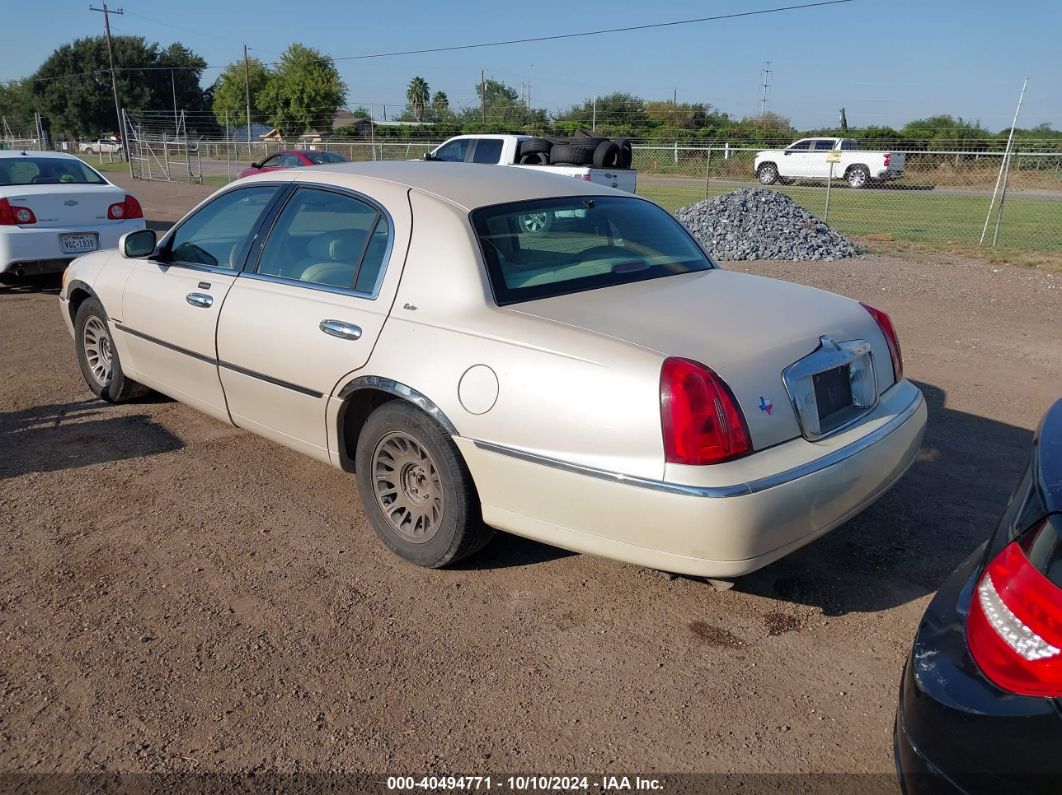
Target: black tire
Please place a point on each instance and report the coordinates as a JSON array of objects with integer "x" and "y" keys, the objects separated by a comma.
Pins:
[
  {"x": 626, "y": 152},
  {"x": 767, "y": 173},
  {"x": 858, "y": 177},
  {"x": 607, "y": 155},
  {"x": 535, "y": 145},
  {"x": 436, "y": 483},
  {"x": 103, "y": 374},
  {"x": 534, "y": 159},
  {"x": 584, "y": 138},
  {"x": 573, "y": 153}
]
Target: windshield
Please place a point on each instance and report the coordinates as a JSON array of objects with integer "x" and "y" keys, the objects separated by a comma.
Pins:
[
  {"x": 539, "y": 249},
  {"x": 325, "y": 157},
  {"x": 47, "y": 171}
]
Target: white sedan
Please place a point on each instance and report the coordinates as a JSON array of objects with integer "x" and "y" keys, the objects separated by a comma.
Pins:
[
  {"x": 54, "y": 207},
  {"x": 603, "y": 386}
]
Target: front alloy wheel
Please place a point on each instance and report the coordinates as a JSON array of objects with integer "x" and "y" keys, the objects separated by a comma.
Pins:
[{"x": 99, "y": 355}]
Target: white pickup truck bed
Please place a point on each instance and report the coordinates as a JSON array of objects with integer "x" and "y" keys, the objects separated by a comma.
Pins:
[{"x": 503, "y": 150}]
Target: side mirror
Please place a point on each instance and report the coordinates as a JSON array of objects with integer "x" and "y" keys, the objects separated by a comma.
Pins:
[
  {"x": 138, "y": 244},
  {"x": 256, "y": 165},
  {"x": 785, "y": 151}
]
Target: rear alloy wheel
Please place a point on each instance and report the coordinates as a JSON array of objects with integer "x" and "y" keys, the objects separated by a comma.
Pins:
[
  {"x": 858, "y": 177},
  {"x": 767, "y": 173},
  {"x": 416, "y": 489},
  {"x": 98, "y": 358},
  {"x": 536, "y": 223}
]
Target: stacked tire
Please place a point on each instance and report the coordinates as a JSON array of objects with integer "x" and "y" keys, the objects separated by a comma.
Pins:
[{"x": 582, "y": 149}]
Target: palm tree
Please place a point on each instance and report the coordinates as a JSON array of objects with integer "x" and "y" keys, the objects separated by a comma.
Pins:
[{"x": 418, "y": 95}]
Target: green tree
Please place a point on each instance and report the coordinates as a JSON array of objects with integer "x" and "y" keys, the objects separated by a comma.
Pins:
[
  {"x": 617, "y": 113},
  {"x": 17, "y": 107},
  {"x": 72, "y": 88},
  {"x": 230, "y": 95},
  {"x": 304, "y": 92},
  {"x": 418, "y": 94}
]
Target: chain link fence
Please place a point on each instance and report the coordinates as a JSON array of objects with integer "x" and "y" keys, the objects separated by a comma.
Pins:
[{"x": 942, "y": 200}]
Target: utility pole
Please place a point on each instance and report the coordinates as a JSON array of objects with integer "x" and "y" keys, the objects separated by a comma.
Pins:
[
  {"x": 763, "y": 98},
  {"x": 482, "y": 97},
  {"x": 593, "y": 120},
  {"x": 674, "y": 105},
  {"x": 110, "y": 57},
  {"x": 247, "y": 95}
]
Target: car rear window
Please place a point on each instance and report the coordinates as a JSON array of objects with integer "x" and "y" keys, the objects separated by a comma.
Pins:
[
  {"x": 548, "y": 247},
  {"x": 46, "y": 171},
  {"x": 325, "y": 157}
]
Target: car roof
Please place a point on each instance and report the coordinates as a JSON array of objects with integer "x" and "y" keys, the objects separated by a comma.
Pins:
[
  {"x": 468, "y": 185},
  {"x": 33, "y": 153}
]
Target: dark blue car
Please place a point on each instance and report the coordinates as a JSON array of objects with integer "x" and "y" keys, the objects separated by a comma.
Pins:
[{"x": 981, "y": 697}]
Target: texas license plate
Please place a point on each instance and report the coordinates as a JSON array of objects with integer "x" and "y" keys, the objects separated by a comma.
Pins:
[{"x": 78, "y": 244}]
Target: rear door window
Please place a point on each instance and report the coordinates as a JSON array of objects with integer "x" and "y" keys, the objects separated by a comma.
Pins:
[{"x": 488, "y": 150}]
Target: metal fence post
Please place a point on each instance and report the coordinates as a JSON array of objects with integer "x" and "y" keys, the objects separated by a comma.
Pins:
[{"x": 707, "y": 171}]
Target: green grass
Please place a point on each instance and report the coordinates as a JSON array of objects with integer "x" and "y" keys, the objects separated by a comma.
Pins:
[{"x": 940, "y": 219}]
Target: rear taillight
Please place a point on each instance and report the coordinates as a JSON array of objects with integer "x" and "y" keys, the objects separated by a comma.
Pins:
[
  {"x": 586, "y": 178},
  {"x": 885, "y": 324},
  {"x": 701, "y": 420},
  {"x": 1014, "y": 629},
  {"x": 15, "y": 216},
  {"x": 887, "y": 159},
  {"x": 124, "y": 210}
]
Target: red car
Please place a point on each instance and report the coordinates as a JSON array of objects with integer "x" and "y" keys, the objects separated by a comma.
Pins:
[{"x": 293, "y": 158}]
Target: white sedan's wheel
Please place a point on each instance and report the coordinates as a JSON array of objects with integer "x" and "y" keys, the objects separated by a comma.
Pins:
[
  {"x": 416, "y": 489},
  {"x": 406, "y": 484},
  {"x": 99, "y": 361},
  {"x": 99, "y": 355}
]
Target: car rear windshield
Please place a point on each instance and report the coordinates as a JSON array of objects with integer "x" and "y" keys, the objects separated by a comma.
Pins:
[
  {"x": 325, "y": 157},
  {"x": 548, "y": 247},
  {"x": 46, "y": 171}
]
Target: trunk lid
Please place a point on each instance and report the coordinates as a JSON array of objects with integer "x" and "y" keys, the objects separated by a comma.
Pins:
[
  {"x": 62, "y": 205},
  {"x": 748, "y": 329}
]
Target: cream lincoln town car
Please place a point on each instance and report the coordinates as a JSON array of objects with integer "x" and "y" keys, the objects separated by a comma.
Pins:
[{"x": 601, "y": 385}]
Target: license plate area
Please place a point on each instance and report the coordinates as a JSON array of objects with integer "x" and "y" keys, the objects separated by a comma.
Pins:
[
  {"x": 832, "y": 387},
  {"x": 79, "y": 243}
]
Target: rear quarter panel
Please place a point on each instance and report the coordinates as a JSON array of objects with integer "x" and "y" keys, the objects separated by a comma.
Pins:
[{"x": 561, "y": 392}]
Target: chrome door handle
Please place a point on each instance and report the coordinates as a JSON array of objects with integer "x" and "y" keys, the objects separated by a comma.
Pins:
[
  {"x": 200, "y": 299},
  {"x": 337, "y": 328}
]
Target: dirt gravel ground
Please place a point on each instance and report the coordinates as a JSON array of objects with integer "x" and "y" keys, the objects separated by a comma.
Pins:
[{"x": 177, "y": 595}]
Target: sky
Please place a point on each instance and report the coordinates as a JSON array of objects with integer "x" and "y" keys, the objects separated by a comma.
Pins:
[{"x": 884, "y": 61}]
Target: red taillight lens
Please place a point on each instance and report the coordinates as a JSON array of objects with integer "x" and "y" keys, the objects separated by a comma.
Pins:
[
  {"x": 1014, "y": 629},
  {"x": 133, "y": 208},
  {"x": 885, "y": 324},
  {"x": 702, "y": 421},
  {"x": 888, "y": 159},
  {"x": 130, "y": 208},
  {"x": 15, "y": 216}
]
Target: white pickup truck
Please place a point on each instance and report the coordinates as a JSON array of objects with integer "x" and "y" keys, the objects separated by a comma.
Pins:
[
  {"x": 807, "y": 159},
  {"x": 508, "y": 150},
  {"x": 103, "y": 145}
]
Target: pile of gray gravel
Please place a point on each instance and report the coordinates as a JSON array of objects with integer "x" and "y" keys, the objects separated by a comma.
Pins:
[{"x": 759, "y": 223}]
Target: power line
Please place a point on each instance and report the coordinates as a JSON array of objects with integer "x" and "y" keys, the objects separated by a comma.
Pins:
[{"x": 601, "y": 32}]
